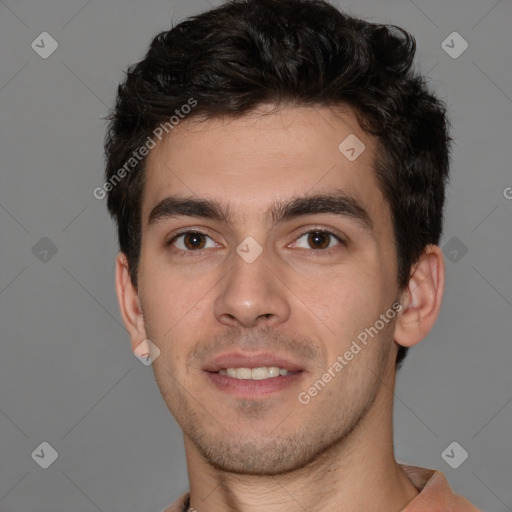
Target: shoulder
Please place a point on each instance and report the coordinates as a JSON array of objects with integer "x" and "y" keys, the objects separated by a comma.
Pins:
[{"x": 435, "y": 493}]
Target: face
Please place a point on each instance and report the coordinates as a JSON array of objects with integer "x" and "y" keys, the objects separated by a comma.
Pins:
[{"x": 266, "y": 253}]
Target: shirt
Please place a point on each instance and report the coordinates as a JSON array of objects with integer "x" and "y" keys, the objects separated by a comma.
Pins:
[{"x": 435, "y": 494}]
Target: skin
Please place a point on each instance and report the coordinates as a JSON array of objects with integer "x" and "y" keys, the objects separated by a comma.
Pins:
[{"x": 300, "y": 299}]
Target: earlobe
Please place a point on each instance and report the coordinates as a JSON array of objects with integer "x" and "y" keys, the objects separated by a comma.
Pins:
[
  {"x": 129, "y": 304},
  {"x": 422, "y": 298}
]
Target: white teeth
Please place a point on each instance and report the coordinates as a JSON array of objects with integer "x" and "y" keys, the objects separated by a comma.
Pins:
[
  {"x": 243, "y": 373},
  {"x": 261, "y": 373},
  {"x": 274, "y": 371}
]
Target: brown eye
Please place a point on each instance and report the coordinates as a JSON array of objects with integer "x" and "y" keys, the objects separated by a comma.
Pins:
[
  {"x": 319, "y": 240},
  {"x": 192, "y": 241}
]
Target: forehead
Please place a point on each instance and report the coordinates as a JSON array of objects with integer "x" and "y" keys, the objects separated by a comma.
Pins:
[{"x": 266, "y": 156}]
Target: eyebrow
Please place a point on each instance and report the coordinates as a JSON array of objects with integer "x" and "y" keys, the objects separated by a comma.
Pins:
[{"x": 338, "y": 203}]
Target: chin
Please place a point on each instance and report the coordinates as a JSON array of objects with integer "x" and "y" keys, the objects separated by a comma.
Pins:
[{"x": 263, "y": 456}]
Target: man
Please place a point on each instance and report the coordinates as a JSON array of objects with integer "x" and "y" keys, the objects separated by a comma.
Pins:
[{"x": 277, "y": 171}]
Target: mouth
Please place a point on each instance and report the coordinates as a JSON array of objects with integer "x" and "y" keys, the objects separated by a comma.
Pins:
[
  {"x": 252, "y": 376},
  {"x": 259, "y": 373}
]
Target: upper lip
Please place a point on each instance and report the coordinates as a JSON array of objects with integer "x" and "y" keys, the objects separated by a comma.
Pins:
[{"x": 241, "y": 360}]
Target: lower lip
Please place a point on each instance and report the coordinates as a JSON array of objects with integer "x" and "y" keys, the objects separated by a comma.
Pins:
[{"x": 248, "y": 388}]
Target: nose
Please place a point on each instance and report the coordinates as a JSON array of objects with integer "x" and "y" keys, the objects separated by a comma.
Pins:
[{"x": 252, "y": 293}]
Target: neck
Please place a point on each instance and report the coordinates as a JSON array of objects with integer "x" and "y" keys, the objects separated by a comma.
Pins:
[{"x": 356, "y": 474}]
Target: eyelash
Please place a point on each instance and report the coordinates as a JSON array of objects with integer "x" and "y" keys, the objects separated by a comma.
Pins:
[
  {"x": 181, "y": 251},
  {"x": 315, "y": 252},
  {"x": 322, "y": 252}
]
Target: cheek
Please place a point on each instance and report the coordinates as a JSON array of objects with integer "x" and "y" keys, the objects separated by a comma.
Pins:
[
  {"x": 353, "y": 299},
  {"x": 355, "y": 285},
  {"x": 166, "y": 293},
  {"x": 176, "y": 311}
]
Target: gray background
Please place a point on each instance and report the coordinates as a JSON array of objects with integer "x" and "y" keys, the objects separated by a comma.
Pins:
[{"x": 67, "y": 373}]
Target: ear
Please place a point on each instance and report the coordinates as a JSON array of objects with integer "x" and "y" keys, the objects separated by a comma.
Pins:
[
  {"x": 129, "y": 302},
  {"x": 422, "y": 298}
]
